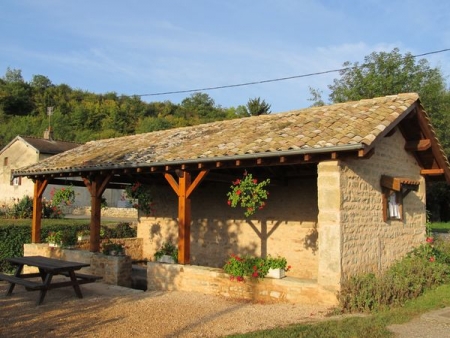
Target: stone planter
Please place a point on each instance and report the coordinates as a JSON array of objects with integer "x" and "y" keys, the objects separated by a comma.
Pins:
[
  {"x": 276, "y": 273},
  {"x": 166, "y": 259}
]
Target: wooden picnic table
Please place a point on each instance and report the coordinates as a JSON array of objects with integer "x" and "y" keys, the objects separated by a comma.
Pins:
[{"x": 48, "y": 267}]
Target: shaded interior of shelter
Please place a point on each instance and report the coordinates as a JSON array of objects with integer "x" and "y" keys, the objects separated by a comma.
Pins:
[{"x": 266, "y": 232}]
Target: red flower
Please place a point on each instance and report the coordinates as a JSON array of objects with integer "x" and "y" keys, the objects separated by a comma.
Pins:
[
  {"x": 255, "y": 274},
  {"x": 255, "y": 268},
  {"x": 239, "y": 278},
  {"x": 430, "y": 240},
  {"x": 255, "y": 181},
  {"x": 238, "y": 192},
  {"x": 432, "y": 259},
  {"x": 229, "y": 202},
  {"x": 237, "y": 182}
]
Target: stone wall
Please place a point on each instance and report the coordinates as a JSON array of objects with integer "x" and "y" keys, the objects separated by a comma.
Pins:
[
  {"x": 369, "y": 244},
  {"x": 133, "y": 246},
  {"x": 354, "y": 238},
  {"x": 213, "y": 281},
  {"x": 287, "y": 226}
]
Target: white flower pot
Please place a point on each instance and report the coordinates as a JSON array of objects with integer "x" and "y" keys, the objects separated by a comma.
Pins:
[
  {"x": 83, "y": 238},
  {"x": 276, "y": 273},
  {"x": 54, "y": 245},
  {"x": 166, "y": 259}
]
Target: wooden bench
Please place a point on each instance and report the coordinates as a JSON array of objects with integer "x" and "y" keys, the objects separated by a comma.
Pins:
[
  {"x": 28, "y": 284},
  {"x": 82, "y": 278}
]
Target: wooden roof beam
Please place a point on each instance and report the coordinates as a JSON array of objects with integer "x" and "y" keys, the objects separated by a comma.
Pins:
[
  {"x": 418, "y": 145},
  {"x": 432, "y": 172}
]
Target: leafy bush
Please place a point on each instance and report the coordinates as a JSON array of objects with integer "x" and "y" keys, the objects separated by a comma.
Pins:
[
  {"x": 22, "y": 209},
  {"x": 422, "y": 269},
  {"x": 121, "y": 230},
  {"x": 13, "y": 237}
]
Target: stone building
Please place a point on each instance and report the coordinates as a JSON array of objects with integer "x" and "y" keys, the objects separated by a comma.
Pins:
[
  {"x": 23, "y": 151},
  {"x": 347, "y": 191},
  {"x": 20, "y": 152}
]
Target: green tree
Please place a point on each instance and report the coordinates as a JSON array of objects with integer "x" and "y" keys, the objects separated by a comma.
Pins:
[
  {"x": 15, "y": 94},
  {"x": 256, "y": 107}
]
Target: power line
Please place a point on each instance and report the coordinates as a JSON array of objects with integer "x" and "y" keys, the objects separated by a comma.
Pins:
[{"x": 273, "y": 80}]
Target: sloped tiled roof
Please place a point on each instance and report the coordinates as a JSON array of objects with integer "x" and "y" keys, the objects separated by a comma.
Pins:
[
  {"x": 338, "y": 127},
  {"x": 48, "y": 146}
]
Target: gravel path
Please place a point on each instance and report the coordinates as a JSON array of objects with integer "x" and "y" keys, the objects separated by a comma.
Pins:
[{"x": 107, "y": 311}]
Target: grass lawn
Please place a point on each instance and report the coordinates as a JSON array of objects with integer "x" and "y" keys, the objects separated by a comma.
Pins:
[
  {"x": 440, "y": 227},
  {"x": 374, "y": 325},
  {"x": 46, "y": 221}
]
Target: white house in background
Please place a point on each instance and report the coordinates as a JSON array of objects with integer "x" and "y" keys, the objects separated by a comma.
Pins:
[{"x": 23, "y": 151}]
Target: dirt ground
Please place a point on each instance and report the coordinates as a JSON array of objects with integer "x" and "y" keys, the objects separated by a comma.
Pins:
[{"x": 110, "y": 311}]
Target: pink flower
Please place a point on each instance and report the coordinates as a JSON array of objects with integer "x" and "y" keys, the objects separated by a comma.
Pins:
[{"x": 430, "y": 240}]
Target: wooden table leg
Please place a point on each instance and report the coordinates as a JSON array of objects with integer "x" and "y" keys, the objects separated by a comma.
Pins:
[
  {"x": 12, "y": 285},
  {"x": 47, "y": 280},
  {"x": 75, "y": 284}
]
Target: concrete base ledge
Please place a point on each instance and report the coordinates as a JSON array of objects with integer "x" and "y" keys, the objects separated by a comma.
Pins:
[{"x": 171, "y": 277}]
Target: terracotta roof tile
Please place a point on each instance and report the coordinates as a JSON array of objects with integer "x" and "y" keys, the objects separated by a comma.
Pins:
[{"x": 317, "y": 128}]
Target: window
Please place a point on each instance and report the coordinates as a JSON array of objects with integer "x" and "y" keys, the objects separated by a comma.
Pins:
[
  {"x": 16, "y": 181},
  {"x": 5, "y": 161},
  {"x": 394, "y": 190}
]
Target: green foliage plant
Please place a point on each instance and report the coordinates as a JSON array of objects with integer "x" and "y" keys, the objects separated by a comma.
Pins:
[
  {"x": 169, "y": 249},
  {"x": 248, "y": 194},
  {"x": 140, "y": 197}
]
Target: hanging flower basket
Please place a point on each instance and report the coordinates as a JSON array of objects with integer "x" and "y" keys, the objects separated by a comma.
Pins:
[
  {"x": 140, "y": 197},
  {"x": 248, "y": 194}
]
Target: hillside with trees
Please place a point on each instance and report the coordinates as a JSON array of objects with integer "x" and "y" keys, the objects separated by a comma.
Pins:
[{"x": 81, "y": 116}]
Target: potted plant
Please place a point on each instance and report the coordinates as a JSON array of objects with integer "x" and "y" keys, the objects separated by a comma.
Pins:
[
  {"x": 248, "y": 194},
  {"x": 239, "y": 267},
  {"x": 277, "y": 267},
  {"x": 54, "y": 238},
  {"x": 83, "y": 235},
  {"x": 168, "y": 253},
  {"x": 113, "y": 249},
  {"x": 140, "y": 197},
  {"x": 61, "y": 238}
]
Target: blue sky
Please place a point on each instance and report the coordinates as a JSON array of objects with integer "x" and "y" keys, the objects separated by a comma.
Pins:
[{"x": 147, "y": 46}]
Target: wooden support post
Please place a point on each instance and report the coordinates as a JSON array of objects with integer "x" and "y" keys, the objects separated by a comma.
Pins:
[
  {"x": 184, "y": 189},
  {"x": 184, "y": 220},
  {"x": 96, "y": 185},
  {"x": 39, "y": 187}
]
